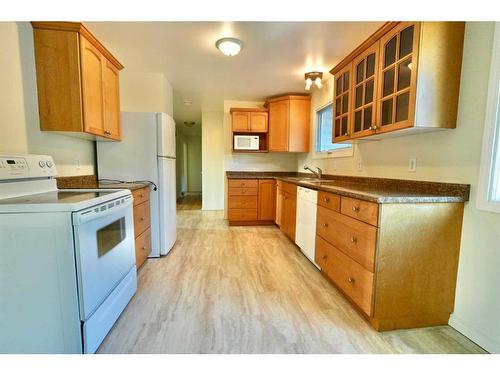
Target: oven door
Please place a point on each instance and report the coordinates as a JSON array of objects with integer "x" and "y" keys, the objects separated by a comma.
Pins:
[{"x": 104, "y": 244}]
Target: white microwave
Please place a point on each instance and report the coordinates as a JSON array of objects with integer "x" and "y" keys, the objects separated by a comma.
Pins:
[{"x": 246, "y": 142}]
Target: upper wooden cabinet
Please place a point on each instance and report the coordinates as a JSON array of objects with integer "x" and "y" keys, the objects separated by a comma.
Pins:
[
  {"x": 404, "y": 76},
  {"x": 77, "y": 81},
  {"x": 249, "y": 120},
  {"x": 289, "y": 123}
]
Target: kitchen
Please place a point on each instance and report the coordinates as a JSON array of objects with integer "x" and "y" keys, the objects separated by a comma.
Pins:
[{"x": 336, "y": 258}]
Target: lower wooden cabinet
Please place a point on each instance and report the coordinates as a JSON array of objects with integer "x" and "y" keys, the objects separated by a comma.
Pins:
[
  {"x": 251, "y": 201},
  {"x": 142, "y": 225},
  {"x": 288, "y": 208},
  {"x": 397, "y": 263}
]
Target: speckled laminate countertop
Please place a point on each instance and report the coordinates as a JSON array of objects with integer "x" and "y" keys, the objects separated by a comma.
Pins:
[{"x": 379, "y": 190}]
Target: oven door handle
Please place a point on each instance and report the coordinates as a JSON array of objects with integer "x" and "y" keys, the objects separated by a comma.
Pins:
[{"x": 101, "y": 210}]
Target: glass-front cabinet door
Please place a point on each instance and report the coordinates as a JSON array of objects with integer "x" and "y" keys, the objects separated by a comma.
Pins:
[
  {"x": 364, "y": 85},
  {"x": 397, "y": 77},
  {"x": 341, "y": 104}
]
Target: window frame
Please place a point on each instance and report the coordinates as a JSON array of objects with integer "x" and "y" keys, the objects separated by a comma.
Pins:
[
  {"x": 339, "y": 153},
  {"x": 490, "y": 153}
]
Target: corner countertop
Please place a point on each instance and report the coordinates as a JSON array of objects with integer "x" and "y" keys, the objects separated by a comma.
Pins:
[
  {"x": 124, "y": 185},
  {"x": 379, "y": 190}
]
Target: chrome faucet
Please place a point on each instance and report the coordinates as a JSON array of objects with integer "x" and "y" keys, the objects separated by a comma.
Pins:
[{"x": 318, "y": 174}]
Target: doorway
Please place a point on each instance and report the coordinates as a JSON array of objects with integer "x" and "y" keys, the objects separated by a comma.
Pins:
[{"x": 189, "y": 171}]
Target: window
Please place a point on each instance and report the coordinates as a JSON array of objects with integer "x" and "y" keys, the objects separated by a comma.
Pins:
[
  {"x": 324, "y": 146},
  {"x": 488, "y": 197}
]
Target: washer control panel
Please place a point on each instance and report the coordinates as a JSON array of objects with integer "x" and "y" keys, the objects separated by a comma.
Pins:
[{"x": 26, "y": 166}]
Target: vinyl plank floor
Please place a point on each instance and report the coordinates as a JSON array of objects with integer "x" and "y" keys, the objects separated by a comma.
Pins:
[{"x": 249, "y": 290}]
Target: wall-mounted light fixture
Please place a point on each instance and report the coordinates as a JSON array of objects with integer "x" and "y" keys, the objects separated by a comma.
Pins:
[
  {"x": 313, "y": 77},
  {"x": 229, "y": 46}
]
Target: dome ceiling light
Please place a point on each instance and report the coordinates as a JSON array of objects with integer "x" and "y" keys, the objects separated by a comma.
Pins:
[
  {"x": 313, "y": 77},
  {"x": 229, "y": 46}
]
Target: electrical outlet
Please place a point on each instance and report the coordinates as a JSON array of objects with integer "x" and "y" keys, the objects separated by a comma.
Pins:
[
  {"x": 334, "y": 164},
  {"x": 359, "y": 164},
  {"x": 412, "y": 165},
  {"x": 77, "y": 164}
]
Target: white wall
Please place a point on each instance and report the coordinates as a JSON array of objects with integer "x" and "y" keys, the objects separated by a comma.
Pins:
[
  {"x": 212, "y": 164},
  {"x": 251, "y": 162},
  {"x": 19, "y": 122},
  {"x": 449, "y": 156},
  {"x": 145, "y": 92}
]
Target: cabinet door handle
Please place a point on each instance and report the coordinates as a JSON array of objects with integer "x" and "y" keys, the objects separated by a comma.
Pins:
[
  {"x": 142, "y": 218},
  {"x": 107, "y": 132},
  {"x": 144, "y": 248},
  {"x": 354, "y": 239},
  {"x": 327, "y": 200},
  {"x": 355, "y": 209},
  {"x": 141, "y": 195},
  {"x": 324, "y": 225},
  {"x": 373, "y": 127},
  {"x": 324, "y": 257},
  {"x": 351, "y": 280}
]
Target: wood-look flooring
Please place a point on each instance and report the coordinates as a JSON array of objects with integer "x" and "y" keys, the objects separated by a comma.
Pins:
[
  {"x": 249, "y": 290},
  {"x": 189, "y": 202}
]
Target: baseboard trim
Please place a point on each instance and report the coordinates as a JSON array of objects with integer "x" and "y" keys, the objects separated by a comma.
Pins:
[{"x": 485, "y": 342}]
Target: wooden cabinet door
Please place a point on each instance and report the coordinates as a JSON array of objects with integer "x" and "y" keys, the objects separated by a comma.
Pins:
[
  {"x": 341, "y": 105},
  {"x": 279, "y": 119},
  {"x": 267, "y": 199},
  {"x": 258, "y": 122},
  {"x": 398, "y": 77},
  {"x": 364, "y": 87},
  {"x": 92, "y": 88},
  {"x": 111, "y": 100},
  {"x": 299, "y": 125},
  {"x": 279, "y": 206},
  {"x": 241, "y": 121},
  {"x": 290, "y": 213}
]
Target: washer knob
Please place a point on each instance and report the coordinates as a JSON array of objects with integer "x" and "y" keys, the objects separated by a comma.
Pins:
[
  {"x": 49, "y": 164},
  {"x": 41, "y": 163}
]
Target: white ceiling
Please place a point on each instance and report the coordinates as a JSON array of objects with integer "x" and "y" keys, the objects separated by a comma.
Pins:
[{"x": 274, "y": 58}]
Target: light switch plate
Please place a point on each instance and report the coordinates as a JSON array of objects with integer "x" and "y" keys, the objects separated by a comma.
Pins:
[
  {"x": 412, "y": 165},
  {"x": 359, "y": 164}
]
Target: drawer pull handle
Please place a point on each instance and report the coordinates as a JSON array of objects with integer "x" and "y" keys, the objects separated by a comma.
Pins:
[
  {"x": 327, "y": 200},
  {"x": 141, "y": 195},
  {"x": 350, "y": 280},
  {"x": 142, "y": 218},
  {"x": 324, "y": 257},
  {"x": 324, "y": 225},
  {"x": 354, "y": 239},
  {"x": 144, "y": 248},
  {"x": 355, "y": 209}
]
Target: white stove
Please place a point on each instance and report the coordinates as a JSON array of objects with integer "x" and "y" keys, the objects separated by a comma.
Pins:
[{"x": 67, "y": 260}]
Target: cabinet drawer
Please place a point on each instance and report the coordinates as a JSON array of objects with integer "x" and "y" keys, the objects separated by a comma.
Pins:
[
  {"x": 329, "y": 200},
  {"x": 242, "y": 183},
  {"x": 355, "y": 281},
  {"x": 242, "y": 215},
  {"x": 243, "y": 191},
  {"x": 242, "y": 201},
  {"x": 355, "y": 238},
  {"x": 140, "y": 195},
  {"x": 289, "y": 188},
  {"x": 142, "y": 247},
  {"x": 142, "y": 218},
  {"x": 361, "y": 210}
]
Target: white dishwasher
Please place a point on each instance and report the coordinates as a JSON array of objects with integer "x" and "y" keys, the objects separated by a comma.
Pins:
[{"x": 305, "y": 235}]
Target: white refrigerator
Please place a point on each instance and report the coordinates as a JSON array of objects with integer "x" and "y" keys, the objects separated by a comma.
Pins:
[{"x": 146, "y": 153}]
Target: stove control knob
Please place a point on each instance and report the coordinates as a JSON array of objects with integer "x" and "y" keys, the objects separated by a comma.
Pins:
[
  {"x": 41, "y": 163},
  {"x": 49, "y": 164}
]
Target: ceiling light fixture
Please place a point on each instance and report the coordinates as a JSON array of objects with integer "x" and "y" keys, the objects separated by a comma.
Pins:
[
  {"x": 313, "y": 77},
  {"x": 229, "y": 46},
  {"x": 189, "y": 124}
]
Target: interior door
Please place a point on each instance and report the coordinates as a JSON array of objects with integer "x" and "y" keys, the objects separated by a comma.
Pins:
[
  {"x": 92, "y": 87},
  {"x": 168, "y": 209}
]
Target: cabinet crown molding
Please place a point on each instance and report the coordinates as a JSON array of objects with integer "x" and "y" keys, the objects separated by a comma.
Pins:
[{"x": 80, "y": 28}]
